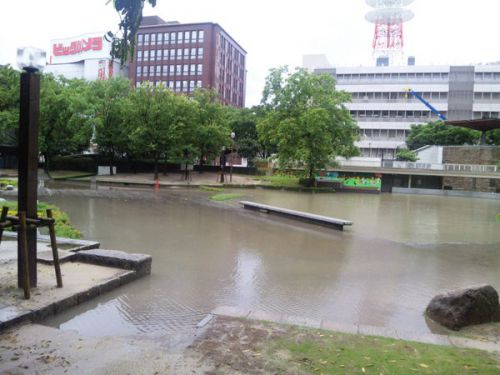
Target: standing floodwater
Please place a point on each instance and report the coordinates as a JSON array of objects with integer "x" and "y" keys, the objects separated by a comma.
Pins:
[{"x": 400, "y": 252}]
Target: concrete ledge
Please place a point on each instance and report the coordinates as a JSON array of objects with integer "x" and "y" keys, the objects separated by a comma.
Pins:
[
  {"x": 447, "y": 193},
  {"x": 298, "y": 215},
  {"x": 77, "y": 245},
  {"x": 140, "y": 263}
]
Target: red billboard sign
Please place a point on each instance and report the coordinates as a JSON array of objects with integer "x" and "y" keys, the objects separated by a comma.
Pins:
[{"x": 77, "y": 46}]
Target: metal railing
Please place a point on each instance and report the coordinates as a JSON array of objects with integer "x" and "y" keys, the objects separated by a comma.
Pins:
[{"x": 472, "y": 168}]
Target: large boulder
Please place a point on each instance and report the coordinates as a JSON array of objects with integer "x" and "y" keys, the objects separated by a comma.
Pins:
[{"x": 464, "y": 307}]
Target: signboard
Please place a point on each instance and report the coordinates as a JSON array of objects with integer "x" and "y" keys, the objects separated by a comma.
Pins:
[{"x": 87, "y": 46}]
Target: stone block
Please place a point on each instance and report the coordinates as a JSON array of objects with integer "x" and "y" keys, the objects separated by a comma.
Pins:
[
  {"x": 43, "y": 312},
  {"x": 141, "y": 263},
  {"x": 66, "y": 303},
  {"x": 464, "y": 307}
]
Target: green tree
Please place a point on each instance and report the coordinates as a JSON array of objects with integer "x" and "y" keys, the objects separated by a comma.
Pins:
[
  {"x": 437, "y": 133},
  {"x": 244, "y": 125},
  {"x": 155, "y": 117},
  {"x": 130, "y": 12},
  {"x": 306, "y": 119},
  {"x": 9, "y": 105},
  {"x": 212, "y": 130},
  {"x": 109, "y": 99},
  {"x": 65, "y": 117},
  {"x": 406, "y": 155}
]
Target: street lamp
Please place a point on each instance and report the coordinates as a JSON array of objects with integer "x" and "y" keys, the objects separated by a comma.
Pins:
[
  {"x": 233, "y": 137},
  {"x": 30, "y": 60}
]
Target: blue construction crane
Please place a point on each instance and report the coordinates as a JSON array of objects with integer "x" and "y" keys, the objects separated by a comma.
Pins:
[{"x": 427, "y": 104}]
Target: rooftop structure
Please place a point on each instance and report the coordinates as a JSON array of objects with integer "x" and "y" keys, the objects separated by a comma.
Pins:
[
  {"x": 187, "y": 56},
  {"x": 389, "y": 17}
]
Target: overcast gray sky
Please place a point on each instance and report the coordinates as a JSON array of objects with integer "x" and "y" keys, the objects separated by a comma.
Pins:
[{"x": 275, "y": 32}]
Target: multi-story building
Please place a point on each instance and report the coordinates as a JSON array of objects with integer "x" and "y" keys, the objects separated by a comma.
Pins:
[
  {"x": 385, "y": 111},
  {"x": 187, "y": 56},
  {"x": 86, "y": 56}
]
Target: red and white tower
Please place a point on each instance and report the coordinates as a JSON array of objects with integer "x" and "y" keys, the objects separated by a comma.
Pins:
[{"x": 389, "y": 17}]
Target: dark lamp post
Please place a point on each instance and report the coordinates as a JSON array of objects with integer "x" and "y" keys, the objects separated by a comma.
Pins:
[{"x": 30, "y": 60}]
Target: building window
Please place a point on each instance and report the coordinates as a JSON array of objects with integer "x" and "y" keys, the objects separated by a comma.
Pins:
[
  {"x": 186, "y": 53},
  {"x": 158, "y": 54},
  {"x": 165, "y": 70},
  {"x": 172, "y": 54},
  {"x": 198, "y": 83},
  {"x": 166, "y": 37},
  {"x": 138, "y": 71},
  {"x": 139, "y": 55},
  {"x": 152, "y": 55},
  {"x": 171, "y": 85},
  {"x": 185, "y": 70},
  {"x": 201, "y": 36},
  {"x": 200, "y": 69},
  {"x": 151, "y": 71},
  {"x": 145, "y": 71},
  {"x": 137, "y": 84},
  {"x": 165, "y": 54},
  {"x": 200, "y": 53},
  {"x": 193, "y": 69},
  {"x": 153, "y": 39},
  {"x": 171, "y": 70},
  {"x": 186, "y": 37},
  {"x": 193, "y": 36},
  {"x": 139, "y": 39},
  {"x": 192, "y": 85},
  {"x": 179, "y": 37},
  {"x": 178, "y": 70},
  {"x": 146, "y": 55},
  {"x": 193, "y": 53},
  {"x": 160, "y": 38},
  {"x": 173, "y": 38},
  {"x": 177, "y": 85},
  {"x": 146, "y": 39},
  {"x": 179, "y": 54},
  {"x": 185, "y": 86},
  {"x": 158, "y": 70}
]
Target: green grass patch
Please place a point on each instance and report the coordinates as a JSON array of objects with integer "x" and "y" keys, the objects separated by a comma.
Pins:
[
  {"x": 63, "y": 226},
  {"x": 7, "y": 181},
  {"x": 324, "y": 352},
  {"x": 224, "y": 197},
  {"x": 66, "y": 175},
  {"x": 281, "y": 180},
  {"x": 211, "y": 188}
]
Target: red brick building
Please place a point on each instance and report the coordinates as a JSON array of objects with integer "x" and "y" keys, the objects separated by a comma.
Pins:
[{"x": 186, "y": 56}]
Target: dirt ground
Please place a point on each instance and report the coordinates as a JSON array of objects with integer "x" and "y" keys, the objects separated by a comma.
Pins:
[{"x": 225, "y": 346}]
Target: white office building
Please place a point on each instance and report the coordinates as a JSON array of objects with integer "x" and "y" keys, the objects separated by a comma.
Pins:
[
  {"x": 85, "y": 56},
  {"x": 385, "y": 111}
]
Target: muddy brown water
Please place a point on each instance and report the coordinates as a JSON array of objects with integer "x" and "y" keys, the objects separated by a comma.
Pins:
[{"x": 400, "y": 252}]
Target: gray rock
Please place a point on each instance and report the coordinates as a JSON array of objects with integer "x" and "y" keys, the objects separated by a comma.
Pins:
[
  {"x": 140, "y": 263},
  {"x": 464, "y": 307}
]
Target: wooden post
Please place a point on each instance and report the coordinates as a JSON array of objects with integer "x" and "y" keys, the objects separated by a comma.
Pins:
[
  {"x": 3, "y": 218},
  {"x": 53, "y": 244},
  {"x": 23, "y": 243},
  {"x": 28, "y": 169}
]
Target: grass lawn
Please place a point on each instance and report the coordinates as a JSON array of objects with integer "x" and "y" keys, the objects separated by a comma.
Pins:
[
  {"x": 7, "y": 181},
  {"x": 325, "y": 352},
  {"x": 221, "y": 197},
  {"x": 281, "y": 181},
  {"x": 63, "y": 175}
]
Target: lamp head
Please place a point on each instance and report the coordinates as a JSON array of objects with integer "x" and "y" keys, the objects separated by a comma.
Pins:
[{"x": 31, "y": 59}]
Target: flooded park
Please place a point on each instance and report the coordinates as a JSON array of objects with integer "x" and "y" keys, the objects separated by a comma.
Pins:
[{"x": 400, "y": 252}]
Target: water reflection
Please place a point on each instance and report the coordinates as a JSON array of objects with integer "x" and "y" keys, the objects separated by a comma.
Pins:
[{"x": 400, "y": 252}]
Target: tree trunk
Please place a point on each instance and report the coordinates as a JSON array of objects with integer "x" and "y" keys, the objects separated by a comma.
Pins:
[
  {"x": 202, "y": 162},
  {"x": 46, "y": 165},
  {"x": 111, "y": 165}
]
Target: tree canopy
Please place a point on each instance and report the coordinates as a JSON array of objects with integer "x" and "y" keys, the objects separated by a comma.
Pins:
[
  {"x": 9, "y": 105},
  {"x": 305, "y": 118},
  {"x": 438, "y": 133}
]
